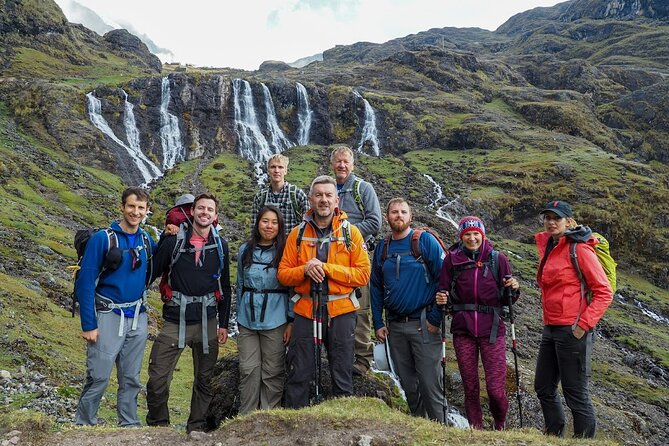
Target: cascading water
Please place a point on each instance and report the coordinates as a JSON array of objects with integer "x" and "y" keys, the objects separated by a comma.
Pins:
[
  {"x": 131, "y": 132},
  {"x": 439, "y": 196},
  {"x": 146, "y": 168},
  {"x": 369, "y": 131},
  {"x": 278, "y": 140},
  {"x": 252, "y": 143},
  {"x": 304, "y": 115},
  {"x": 170, "y": 135}
]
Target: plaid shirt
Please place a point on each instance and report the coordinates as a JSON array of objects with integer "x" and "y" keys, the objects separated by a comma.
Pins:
[{"x": 283, "y": 202}]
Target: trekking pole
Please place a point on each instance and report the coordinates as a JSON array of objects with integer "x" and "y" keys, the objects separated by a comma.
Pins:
[
  {"x": 315, "y": 312},
  {"x": 509, "y": 296},
  {"x": 443, "y": 363}
]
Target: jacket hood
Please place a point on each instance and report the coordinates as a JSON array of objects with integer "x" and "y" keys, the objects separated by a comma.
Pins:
[{"x": 579, "y": 234}]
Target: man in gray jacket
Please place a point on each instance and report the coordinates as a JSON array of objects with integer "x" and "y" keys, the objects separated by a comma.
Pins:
[{"x": 358, "y": 199}]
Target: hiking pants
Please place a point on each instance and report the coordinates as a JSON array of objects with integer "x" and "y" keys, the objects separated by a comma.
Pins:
[
  {"x": 126, "y": 352},
  {"x": 364, "y": 348},
  {"x": 164, "y": 356},
  {"x": 261, "y": 368},
  {"x": 493, "y": 357},
  {"x": 416, "y": 354},
  {"x": 339, "y": 339},
  {"x": 564, "y": 358}
]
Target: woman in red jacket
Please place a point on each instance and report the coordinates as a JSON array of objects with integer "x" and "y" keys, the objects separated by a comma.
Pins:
[{"x": 566, "y": 342}]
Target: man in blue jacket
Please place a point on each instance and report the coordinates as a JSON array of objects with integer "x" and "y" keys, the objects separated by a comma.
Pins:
[
  {"x": 406, "y": 289},
  {"x": 110, "y": 289}
]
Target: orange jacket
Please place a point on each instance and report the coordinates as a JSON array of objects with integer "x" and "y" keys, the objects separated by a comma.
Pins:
[
  {"x": 345, "y": 270},
  {"x": 561, "y": 288}
]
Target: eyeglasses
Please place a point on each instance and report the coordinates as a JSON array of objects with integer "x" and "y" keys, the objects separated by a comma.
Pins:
[{"x": 136, "y": 257}]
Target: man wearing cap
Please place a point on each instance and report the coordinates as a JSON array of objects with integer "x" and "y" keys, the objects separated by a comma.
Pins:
[
  {"x": 566, "y": 341},
  {"x": 290, "y": 199},
  {"x": 358, "y": 199},
  {"x": 405, "y": 288},
  {"x": 110, "y": 289}
]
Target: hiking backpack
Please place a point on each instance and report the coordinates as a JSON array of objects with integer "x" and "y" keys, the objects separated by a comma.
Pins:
[
  {"x": 603, "y": 256},
  {"x": 165, "y": 285},
  {"x": 292, "y": 194},
  {"x": 415, "y": 248},
  {"x": 357, "y": 196},
  {"x": 81, "y": 238},
  {"x": 345, "y": 230}
]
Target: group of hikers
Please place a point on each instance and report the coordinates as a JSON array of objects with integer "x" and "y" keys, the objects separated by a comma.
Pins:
[{"x": 305, "y": 280}]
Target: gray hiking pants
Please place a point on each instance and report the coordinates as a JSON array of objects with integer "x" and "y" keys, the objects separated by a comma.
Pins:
[
  {"x": 126, "y": 352},
  {"x": 163, "y": 360},
  {"x": 416, "y": 354},
  {"x": 563, "y": 358},
  {"x": 262, "y": 358}
]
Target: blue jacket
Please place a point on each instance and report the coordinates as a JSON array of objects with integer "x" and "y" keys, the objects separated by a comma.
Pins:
[
  {"x": 258, "y": 278},
  {"x": 409, "y": 293},
  {"x": 121, "y": 286}
]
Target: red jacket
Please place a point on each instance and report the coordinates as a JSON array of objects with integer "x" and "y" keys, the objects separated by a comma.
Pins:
[{"x": 561, "y": 288}]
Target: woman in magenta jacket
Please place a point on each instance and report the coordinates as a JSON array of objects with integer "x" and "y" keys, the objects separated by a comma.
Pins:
[
  {"x": 471, "y": 281},
  {"x": 566, "y": 342}
]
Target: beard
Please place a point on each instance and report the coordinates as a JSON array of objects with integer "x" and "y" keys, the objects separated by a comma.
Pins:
[{"x": 399, "y": 225}]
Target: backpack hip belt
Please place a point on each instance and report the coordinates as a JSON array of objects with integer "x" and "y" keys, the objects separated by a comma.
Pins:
[
  {"x": 265, "y": 293},
  {"x": 483, "y": 309},
  {"x": 181, "y": 300},
  {"x": 105, "y": 305},
  {"x": 332, "y": 298}
]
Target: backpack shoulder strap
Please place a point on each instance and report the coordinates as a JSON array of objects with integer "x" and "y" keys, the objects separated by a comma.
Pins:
[
  {"x": 574, "y": 261},
  {"x": 292, "y": 194},
  {"x": 415, "y": 243},
  {"x": 300, "y": 234},
  {"x": 112, "y": 239},
  {"x": 494, "y": 265},
  {"x": 357, "y": 196},
  {"x": 346, "y": 233}
]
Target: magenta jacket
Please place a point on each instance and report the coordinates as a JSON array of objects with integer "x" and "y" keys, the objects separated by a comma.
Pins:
[{"x": 474, "y": 286}]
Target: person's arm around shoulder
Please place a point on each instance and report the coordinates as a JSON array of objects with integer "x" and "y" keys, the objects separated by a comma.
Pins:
[
  {"x": 356, "y": 273},
  {"x": 595, "y": 277}
]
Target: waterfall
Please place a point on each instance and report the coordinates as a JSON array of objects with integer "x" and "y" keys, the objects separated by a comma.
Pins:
[
  {"x": 439, "y": 196},
  {"x": 304, "y": 115},
  {"x": 170, "y": 136},
  {"x": 278, "y": 140},
  {"x": 252, "y": 144},
  {"x": 146, "y": 168},
  {"x": 131, "y": 132},
  {"x": 369, "y": 132}
]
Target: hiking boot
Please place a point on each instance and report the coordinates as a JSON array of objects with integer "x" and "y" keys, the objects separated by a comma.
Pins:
[{"x": 360, "y": 369}]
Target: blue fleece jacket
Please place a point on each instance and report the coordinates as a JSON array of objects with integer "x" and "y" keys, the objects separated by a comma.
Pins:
[
  {"x": 121, "y": 286},
  {"x": 408, "y": 293}
]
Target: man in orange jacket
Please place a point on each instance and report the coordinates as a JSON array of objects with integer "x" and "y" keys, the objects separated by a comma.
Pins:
[{"x": 325, "y": 249}]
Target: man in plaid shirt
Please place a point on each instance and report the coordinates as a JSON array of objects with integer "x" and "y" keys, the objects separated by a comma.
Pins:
[{"x": 291, "y": 200}]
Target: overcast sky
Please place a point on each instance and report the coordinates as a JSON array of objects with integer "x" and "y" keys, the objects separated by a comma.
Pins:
[{"x": 243, "y": 34}]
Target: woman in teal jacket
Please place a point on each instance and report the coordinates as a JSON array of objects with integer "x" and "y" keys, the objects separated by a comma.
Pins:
[{"x": 264, "y": 317}]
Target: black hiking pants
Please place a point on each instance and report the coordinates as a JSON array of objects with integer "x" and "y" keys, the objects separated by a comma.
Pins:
[{"x": 563, "y": 358}]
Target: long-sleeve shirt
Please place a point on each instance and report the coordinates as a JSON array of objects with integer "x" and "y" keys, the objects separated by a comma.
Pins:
[
  {"x": 291, "y": 216},
  {"x": 403, "y": 291},
  {"x": 369, "y": 223},
  {"x": 124, "y": 285},
  {"x": 193, "y": 278},
  {"x": 257, "y": 283}
]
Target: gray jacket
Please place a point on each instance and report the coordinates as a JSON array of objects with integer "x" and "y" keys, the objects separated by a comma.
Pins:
[{"x": 369, "y": 224}]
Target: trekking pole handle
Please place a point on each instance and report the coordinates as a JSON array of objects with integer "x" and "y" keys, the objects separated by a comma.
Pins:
[{"x": 443, "y": 307}]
